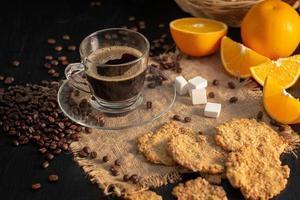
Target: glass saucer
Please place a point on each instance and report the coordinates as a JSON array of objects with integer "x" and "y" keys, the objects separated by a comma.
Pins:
[{"x": 78, "y": 106}]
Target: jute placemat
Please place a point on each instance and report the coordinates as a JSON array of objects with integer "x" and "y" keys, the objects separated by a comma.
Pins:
[{"x": 121, "y": 144}]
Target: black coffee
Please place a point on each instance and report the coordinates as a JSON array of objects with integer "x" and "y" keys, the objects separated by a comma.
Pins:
[{"x": 111, "y": 78}]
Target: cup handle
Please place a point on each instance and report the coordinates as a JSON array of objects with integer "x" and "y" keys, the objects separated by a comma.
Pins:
[{"x": 77, "y": 81}]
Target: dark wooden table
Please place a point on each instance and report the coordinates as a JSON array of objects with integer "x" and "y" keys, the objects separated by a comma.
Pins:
[{"x": 24, "y": 28}]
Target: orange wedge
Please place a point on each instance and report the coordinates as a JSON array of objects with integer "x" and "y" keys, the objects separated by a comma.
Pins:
[
  {"x": 197, "y": 36},
  {"x": 279, "y": 104},
  {"x": 285, "y": 71},
  {"x": 237, "y": 58}
]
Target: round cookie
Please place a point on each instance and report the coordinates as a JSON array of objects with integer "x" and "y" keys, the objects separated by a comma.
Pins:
[
  {"x": 237, "y": 133},
  {"x": 257, "y": 172},
  {"x": 153, "y": 145},
  {"x": 199, "y": 189},
  {"x": 198, "y": 153}
]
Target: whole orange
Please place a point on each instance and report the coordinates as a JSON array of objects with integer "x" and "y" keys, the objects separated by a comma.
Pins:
[{"x": 272, "y": 28}]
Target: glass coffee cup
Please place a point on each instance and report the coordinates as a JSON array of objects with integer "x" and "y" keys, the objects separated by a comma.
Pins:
[{"x": 113, "y": 64}]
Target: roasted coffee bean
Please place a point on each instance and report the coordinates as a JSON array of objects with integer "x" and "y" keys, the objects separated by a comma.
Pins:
[
  {"x": 105, "y": 158},
  {"x": 15, "y": 143},
  {"x": 65, "y": 147},
  {"x": 15, "y": 63},
  {"x": 61, "y": 125},
  {"x": 215, "y": 82},
  {"x": 49, "y": 156},
  {"x": 47, "y": 66},
  {"x": 66, "y": 37},
  {"x": 54, "y": 62},
  {"x": 45, "y": 164},
  {"x": 40, "y": 143},
  {"x": 47, "y": 144},
  {"x": 62, "y": 58},
  {"x": 88, "y": 130},
  {"x": 149, "y": 104},
  {"x": 97, "y": 3},
  {"x": 179, "y": 70},
  {"x": 131, "y": 18},
  {"x": 53, "y": 146},
  {"x": 13, "y": 132},
  {"x": 259, "y": 115},
  {"x": 187, "y": 119},
  {"x": 78, "y": 129},
  {"x": 43, "y": 150},
  {"x": 65, "y": 62},
  {"x": 153, "y": 69},
  {"x": 9, "y": 80},
  {"x": 273, "y": 122},
  {"x": 231, "y": 85},
  {"x": 51, "y": 41},
  {"x": 93, "y": 155},
  {"x": 51, "y": 71},
  {"x": 211, "y": 95},
  {"x": 83, "y": 154},
  {"x": 114, "y": 171},
  {"x": 177, "y": 117},
  {"x": 233, "y": 99},
  {"x": 72, "y": 48},
  {"x": 49, "y": 57},
  {"x": 152, "y": 85},
  {"x": 126, "y": 178},
  {"x": 281, "y": 128},
  {"x": 73, "y": 127},
  {"x": 118, "y": 162},
  {"x": 51, "y": 119},
  {"x": 57, "y": 151},
  {"x": 86, "y": 149},
  {"x": 36, "y": 186},
  {"x": 56, "y": 75},
  {"x": 58, "y": 48},
  {"x": 134, "y": 178},
  {"x": 53, "y": 178}
]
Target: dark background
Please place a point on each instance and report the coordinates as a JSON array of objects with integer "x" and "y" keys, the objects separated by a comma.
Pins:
[{"x": 24, "y": 29}]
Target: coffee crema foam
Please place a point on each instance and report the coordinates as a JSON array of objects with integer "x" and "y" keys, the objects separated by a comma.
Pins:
[{"x": 103, "y": 55}]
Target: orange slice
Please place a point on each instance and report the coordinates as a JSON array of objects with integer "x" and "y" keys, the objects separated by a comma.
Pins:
[
  {"x": 237, "y": 58},
  {"x": 279, "y": 104},
  {"x": 285, "y": 71},
  {"x": 197, "y": 36}
]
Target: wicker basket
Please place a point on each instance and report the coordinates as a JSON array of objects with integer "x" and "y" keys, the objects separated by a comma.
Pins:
[{"x": 229, "y": 11}]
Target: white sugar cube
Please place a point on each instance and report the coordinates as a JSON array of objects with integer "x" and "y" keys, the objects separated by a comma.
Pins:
[
  {"x": 197, "y": 83},
  {"x": 181, "y": 85},
  {"x": 198, "y": 96},
  {"x": 212, "y": 110}
]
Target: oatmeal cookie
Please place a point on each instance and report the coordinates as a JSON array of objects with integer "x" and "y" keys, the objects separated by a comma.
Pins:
[
  {"x": 153, "y": 145},
  {"x": 237, "y": 133},
  {"x": 257, "y": 172},
  {"x": 199, "y": 189},
  {"x": 198, "y": 153}
]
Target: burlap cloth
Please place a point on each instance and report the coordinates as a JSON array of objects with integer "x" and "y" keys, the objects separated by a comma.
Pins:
[{"x": 121, "y": 144}]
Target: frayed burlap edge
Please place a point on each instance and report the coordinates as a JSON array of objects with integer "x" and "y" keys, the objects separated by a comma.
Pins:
[{"x": 115, "y": 188}]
